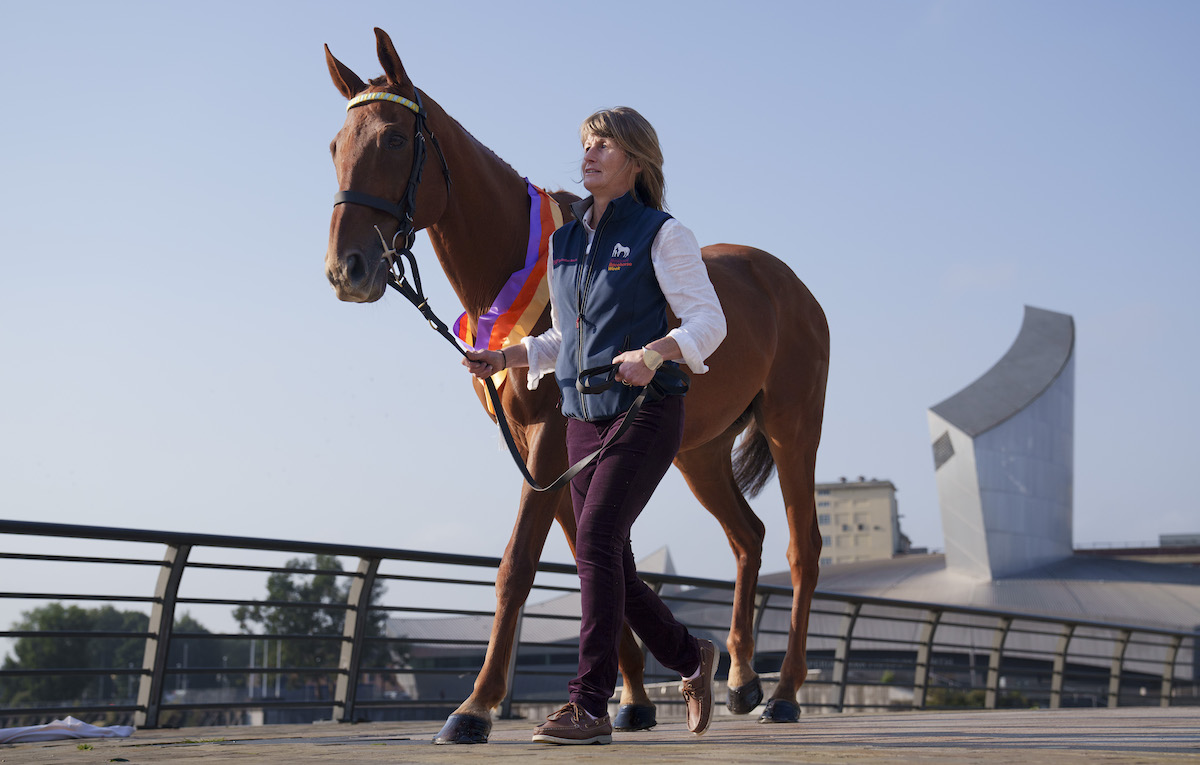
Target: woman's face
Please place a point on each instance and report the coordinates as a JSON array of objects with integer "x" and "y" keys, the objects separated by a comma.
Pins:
[{"x": 607, "y": 170}]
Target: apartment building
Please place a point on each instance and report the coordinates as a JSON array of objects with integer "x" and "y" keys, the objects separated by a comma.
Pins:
[{"x": 859, "y": 521}]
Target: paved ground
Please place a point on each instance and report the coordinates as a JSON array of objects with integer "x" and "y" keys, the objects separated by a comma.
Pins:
[{"x": 1128, "y": 735}]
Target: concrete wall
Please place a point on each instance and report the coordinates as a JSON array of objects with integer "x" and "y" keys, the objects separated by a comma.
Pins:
[
  {"x": 1004, "y": 456},
  {"x": 1025, "y": 468}
]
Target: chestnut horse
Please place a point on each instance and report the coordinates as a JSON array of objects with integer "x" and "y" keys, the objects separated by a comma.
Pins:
[{"x": 767, "y": 378}]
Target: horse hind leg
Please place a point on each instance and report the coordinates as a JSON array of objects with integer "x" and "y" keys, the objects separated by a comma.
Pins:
[
  {"x": 793, "y": 438},
  {"x": 709, "y": 473}
]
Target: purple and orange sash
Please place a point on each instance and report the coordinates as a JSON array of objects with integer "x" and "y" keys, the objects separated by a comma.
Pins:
[{"x": 525, "y": 295}]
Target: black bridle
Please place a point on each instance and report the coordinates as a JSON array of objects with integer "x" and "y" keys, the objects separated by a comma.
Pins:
[
  {"x": 398, "y": 280},
  {"x": 403, "y": 211}
]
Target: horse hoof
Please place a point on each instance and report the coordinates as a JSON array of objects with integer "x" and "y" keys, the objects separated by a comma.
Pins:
[
  {"x": 780, "y": 711},
  {"x": 634, "y": 717},
  {"x": 464, "y": 729},
  {"x": 743, "y": 699}
]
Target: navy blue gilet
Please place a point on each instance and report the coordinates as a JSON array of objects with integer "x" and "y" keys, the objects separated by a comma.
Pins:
[{"x": 608, "y": 299}]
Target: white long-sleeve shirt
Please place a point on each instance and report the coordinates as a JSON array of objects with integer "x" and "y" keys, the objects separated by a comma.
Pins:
[{"x": 683, "y": 279}]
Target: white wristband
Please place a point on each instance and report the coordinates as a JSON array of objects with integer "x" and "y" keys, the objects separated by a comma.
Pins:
[{"x": 652, "y": 359}]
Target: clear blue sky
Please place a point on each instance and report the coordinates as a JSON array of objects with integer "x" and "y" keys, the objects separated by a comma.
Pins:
[{"x": 171, "y": 356}]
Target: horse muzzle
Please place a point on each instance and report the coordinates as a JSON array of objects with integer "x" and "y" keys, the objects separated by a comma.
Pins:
[{"x": 356, "y": 277}]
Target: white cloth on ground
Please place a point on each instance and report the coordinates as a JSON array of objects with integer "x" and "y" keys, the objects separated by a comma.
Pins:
[{"x": 68, "y": 728}]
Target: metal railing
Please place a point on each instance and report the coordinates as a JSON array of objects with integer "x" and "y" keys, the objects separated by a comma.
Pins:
[{"x": 866, "y": 653}]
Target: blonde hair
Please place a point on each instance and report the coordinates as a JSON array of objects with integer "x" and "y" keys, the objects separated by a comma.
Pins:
[{"x": 635, "y": 136}]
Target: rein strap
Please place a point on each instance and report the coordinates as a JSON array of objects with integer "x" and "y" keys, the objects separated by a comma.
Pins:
[
  {"x": 398, "y": 280},
  {"x": 415, "y": 295}
]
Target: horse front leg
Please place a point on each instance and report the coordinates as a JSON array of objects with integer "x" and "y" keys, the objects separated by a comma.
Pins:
[
  {"x": 471, "y": 723},
  {"x": 708, "y": 471},
  {"x": 636, "y": 711},
  {"x": 632, "y": 658}
]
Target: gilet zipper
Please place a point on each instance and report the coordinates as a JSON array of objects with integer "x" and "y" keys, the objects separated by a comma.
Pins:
[{"x": 583, "y": 285}]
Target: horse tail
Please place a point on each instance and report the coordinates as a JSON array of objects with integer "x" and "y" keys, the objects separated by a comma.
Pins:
[{"x": 753, "y": 463}]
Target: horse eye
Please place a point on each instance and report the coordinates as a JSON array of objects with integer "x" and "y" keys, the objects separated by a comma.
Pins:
[{"x": 396, "y": 141}]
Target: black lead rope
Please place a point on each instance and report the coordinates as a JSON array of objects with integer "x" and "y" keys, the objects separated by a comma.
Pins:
[
  {"x": 415, "y": 295},
  {"x": 395, "y": 256}
]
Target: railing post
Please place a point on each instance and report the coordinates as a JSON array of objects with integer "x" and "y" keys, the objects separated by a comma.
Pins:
[
  {"x": 841, "y": 656},
  {"x": 760, "y": 610},
  {"x": 162, "y": 623},
  {"x": 511, "y": 673},
  {"x": 1118, "y": 664},
  {"x": 1060, "y": 665},
  {"x": 1168, "y": 681},
  {"x": 993, "y": 675},
  {"x": 354, "y": 633},
  {"x": 924, "y": 655}
]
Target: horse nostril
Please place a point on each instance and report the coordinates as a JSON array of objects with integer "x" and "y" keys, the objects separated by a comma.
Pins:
[{"x": 355, "y": 270}]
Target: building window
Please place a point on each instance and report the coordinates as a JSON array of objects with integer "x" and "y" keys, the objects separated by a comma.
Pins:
[
  {"x": 826, "y": 561},
  {"x": 824, "y": 503},
  {"x": 823, "y": 519},
  {"x": 827, "y": 541},
  {"x": 823, "y": 492},
  {"x": 845, "y": 527},
  {"x": 943, "y": 450}
]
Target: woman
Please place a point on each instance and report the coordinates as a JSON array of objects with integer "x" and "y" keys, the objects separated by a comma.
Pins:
[{"x": 614, "y": 272}]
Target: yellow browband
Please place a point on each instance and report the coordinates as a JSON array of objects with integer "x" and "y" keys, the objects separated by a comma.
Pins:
[{"x": 363, "y": 98}]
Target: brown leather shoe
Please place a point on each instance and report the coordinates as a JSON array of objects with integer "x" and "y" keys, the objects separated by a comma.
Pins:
[
  {"x": 572, "y": 725},
  {"x": 698, "y": 693}
]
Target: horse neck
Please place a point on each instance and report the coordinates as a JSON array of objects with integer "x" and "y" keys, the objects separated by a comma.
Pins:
[{"x": 480, "y": 238}]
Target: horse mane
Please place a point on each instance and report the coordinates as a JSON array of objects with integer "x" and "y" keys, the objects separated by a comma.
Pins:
[{"x": 564, "y": 199}]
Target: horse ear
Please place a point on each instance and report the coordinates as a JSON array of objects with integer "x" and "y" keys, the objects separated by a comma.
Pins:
[
  {"x": 346, "y": 81},
  {"x": 390, "y": 60}
]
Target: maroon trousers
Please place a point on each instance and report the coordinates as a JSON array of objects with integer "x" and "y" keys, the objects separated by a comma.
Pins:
[{"x": 608, "y": 496}]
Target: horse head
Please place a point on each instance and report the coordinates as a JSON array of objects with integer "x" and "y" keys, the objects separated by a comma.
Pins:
[{"x": 378, "y": 155}]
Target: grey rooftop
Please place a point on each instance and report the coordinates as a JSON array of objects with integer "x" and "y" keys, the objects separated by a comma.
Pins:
[{"x": 1036, "y": 358}]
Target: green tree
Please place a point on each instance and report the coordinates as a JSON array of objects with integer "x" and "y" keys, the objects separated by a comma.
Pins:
[
  {"x": 307, "y": 600},
  {"x": 191, "y": 649},
  {"x": 82, "y": 650},
  {"x": 76, "y": 651}
]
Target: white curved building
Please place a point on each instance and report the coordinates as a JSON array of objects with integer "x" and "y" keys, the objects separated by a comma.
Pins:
[{"x": 1003, "y": 449}]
